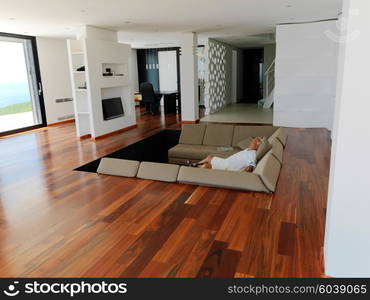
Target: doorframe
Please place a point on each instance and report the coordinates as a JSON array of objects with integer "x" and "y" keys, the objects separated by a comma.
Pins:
[{"x": 32, "y": 39}]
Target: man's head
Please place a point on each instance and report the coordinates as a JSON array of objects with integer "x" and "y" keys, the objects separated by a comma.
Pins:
[{"x": 255, "y": 143}]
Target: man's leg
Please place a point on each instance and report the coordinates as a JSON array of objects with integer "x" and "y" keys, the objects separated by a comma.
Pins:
[
  {"x": 206, "y": 166},
  {"x": 208, "y": 160}
]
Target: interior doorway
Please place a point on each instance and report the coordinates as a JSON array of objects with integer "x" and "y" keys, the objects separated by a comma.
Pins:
[
  {"x": 21, "y": 101},
  {"x": 252, "y": 76}
]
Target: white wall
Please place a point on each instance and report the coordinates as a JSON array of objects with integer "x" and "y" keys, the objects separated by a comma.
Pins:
[
  {"x": 55, "y": 77},
  {"x": 96, "y": 33},
  {"x": 347, "y": 234},
  {"x": 305, "y": 78},
  {"x": 134, "y": 75},
  {"x": 189, "y": 77},
  {"x": 100, "y": 52}
]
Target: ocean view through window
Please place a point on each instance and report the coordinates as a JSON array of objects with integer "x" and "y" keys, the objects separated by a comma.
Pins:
[{"x": 19, "y": 99}]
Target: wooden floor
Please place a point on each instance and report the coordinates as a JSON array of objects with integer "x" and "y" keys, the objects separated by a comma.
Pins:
[{"x": 55, "y": 222}]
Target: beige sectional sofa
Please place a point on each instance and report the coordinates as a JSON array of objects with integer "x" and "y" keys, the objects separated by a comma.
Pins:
[
  {"x": 199, "y": 140},
  {"x": 195, "y": 143}
]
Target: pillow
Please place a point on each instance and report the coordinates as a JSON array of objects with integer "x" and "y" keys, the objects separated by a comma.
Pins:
[
  {"x": 244, "y": 144},
  {"x": 264, "y": 147}
]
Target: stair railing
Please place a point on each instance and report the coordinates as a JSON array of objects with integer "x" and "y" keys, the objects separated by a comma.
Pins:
[{"x": 269, "y": 79}]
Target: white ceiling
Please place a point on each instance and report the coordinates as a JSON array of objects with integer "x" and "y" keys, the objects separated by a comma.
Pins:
[{"x": 160, "y": 22}]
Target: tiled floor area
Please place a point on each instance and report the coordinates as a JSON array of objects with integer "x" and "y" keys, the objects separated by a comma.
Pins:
[{"x": 241, "y": 113}]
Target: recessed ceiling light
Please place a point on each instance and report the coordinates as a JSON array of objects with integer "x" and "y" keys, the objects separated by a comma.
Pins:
[
  {"x": 11, "y": 19},
  {"x": 83, "y": 10}
]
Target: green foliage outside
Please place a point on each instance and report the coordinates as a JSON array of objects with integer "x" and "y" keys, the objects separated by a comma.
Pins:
[{"x": 16, "y": 108}]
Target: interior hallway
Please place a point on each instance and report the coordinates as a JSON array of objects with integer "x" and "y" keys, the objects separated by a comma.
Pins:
[{"x": 241, "y": 113}]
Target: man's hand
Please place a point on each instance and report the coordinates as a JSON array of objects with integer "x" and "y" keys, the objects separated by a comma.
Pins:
[{"x": 248, "y": 169}]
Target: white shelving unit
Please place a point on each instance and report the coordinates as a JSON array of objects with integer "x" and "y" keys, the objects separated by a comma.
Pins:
[
  {"x": 77, "y": 59},
  {"x": 97, "y": 56}
]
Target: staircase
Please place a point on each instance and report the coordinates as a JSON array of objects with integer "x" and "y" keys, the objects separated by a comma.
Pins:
[{"x": 269, "y": 85}]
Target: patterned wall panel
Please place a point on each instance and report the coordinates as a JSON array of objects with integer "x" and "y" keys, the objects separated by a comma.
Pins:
[{"x": 218, "y": 85}]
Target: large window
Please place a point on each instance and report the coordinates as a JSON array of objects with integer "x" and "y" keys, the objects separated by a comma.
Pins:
[{"x": 21, "y": 102}]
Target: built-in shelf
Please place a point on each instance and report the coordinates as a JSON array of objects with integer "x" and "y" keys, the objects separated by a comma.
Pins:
[
  {"x": 81, "y": 90},
  {"x": 77, "y": 53},
  {"x": 83, "y": 112},
  {"x": 114, "y": 76},
  {"x": 114, "y": 81},
  {"x": 78, "y": 72}
]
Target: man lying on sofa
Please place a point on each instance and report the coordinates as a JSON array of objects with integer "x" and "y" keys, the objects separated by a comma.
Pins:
[{"x": 244, "y": 160}]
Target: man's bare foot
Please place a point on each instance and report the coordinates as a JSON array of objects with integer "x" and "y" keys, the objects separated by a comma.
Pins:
[{"x": 190, "y": 164}]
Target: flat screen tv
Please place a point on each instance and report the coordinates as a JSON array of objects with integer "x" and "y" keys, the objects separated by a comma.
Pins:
[{"x": 112, "y": 108}]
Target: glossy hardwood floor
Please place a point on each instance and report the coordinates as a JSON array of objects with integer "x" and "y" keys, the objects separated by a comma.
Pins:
[{"x": 56, "y": 222}]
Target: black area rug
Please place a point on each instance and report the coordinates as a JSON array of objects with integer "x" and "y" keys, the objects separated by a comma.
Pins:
[{"x": 154, "y": 149}]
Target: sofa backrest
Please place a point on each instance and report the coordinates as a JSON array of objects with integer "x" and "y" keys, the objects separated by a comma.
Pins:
[
  {"x": 268, "y": 168},
  {"x": 277, "y": 150},
  {"x": 192, "y": 134},
  {"x": 280, "y": 135},
  {"x": 227, "y": 135},
  {"x": 242, "y": 132},
  {"x": 218, "y": 135}
]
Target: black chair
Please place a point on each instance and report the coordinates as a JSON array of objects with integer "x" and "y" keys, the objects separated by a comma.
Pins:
[{"x": 149, "y": 98}]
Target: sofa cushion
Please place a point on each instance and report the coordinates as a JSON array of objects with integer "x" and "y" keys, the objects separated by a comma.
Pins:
[
  {"x": 268, "y": 169},
  {"x": 244, "y": 143},
  {"x": 218, "y": 135},
  {"x": 198, "y": 152},
  {"x": 280, "y": 135},
  {"x": 158, "y": 171},
  {"x": 224, "y": 179},
  {"x": 264, "y": 147},
  {"x": 243, "y": 132},
  {"x": 118, "y": 167},
  {"x": 277, "y": 150},
  {"x": 192, "y": 134}
]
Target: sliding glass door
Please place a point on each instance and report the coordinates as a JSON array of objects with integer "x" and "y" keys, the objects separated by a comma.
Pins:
[{"x": 21, "y": 101}]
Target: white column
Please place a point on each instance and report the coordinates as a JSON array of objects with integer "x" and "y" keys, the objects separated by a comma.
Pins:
[
  {"x": 347, "y": 238},
  {"x": 189, "y": 78}
]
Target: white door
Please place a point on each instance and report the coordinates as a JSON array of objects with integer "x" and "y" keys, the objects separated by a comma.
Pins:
[{"x": 167, "y": 61}]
